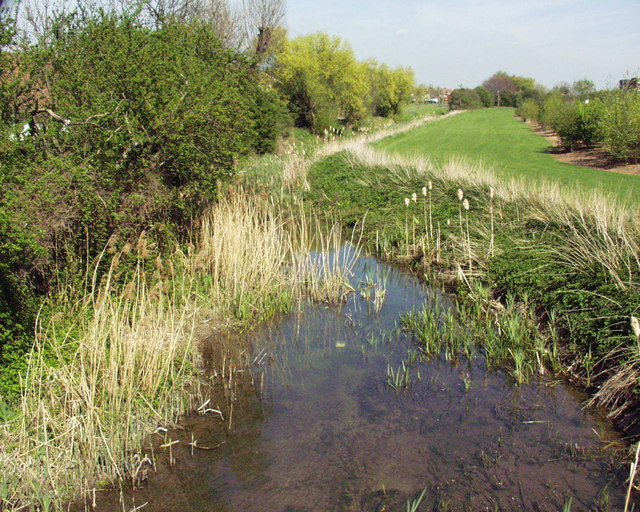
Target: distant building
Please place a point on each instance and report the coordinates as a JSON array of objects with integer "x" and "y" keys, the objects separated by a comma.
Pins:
[{"x": 630, "y": 83}]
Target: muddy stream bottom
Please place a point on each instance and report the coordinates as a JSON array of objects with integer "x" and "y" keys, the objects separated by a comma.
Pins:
[{"x": 321, "y": 430}]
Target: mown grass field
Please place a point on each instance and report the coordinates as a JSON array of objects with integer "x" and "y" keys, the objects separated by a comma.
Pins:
[
  {"x": 415, "y": 110},
  {"x": 496, "y": 138}
]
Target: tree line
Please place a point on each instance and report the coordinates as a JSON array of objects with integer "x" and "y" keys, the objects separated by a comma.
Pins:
[{"x": 609, "y": 119}]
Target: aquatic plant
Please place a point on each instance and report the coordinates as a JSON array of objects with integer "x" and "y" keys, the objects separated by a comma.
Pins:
[
  {"x": 400, "y": 378},
  {"x": 509, "y": 337},
  {"x": 412, "y": 505}
]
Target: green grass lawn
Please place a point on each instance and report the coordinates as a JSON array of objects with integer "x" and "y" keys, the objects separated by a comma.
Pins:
[
  {"x": 500, "y": 140},
  {"x": 414, "y": 110}
]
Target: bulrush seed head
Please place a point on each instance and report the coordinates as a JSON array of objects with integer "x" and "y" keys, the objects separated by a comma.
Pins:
[
  {"x": 635, "y": 326},
  {"x": 142, "y": 243},
  {"x": 128, "y": 290}
]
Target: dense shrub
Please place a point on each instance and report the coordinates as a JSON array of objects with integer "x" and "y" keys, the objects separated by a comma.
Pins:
[
  {"x": 589, "y": 116},
  {"x": 610, "y": 119},
  {"x": 529, "y": 110},
  {"x": 389, "y": 88},
  {"x": 620, "y": 124},
  {"x": 560, "y": 114},
  {"x": 465, "y": 99},
  {"x": 508, "y": 99},
  {"x": 485, "y": 96}
]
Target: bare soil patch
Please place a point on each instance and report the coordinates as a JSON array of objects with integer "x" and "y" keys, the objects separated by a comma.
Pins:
[{"x": 595, "y": 158}]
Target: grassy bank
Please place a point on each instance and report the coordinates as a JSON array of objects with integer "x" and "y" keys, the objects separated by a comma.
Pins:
[
  {"x": 499, "y": 140},
  {"x": 517, "y": 255}
]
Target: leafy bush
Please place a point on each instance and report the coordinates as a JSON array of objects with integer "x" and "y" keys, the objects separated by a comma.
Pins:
[
  {"x": 610, "y": 119},
  {"x": 465, "y": 99},
  {"x": 529, "y": 110},
  {"x": 485, "y": 96},
  {"x": 508, "y": 99},
  {"x": 561, "y": 115},
  {"x": 389, "y": 88},
  {"x": 620, "y": 124},
  {"x": 589, "y": 117}
]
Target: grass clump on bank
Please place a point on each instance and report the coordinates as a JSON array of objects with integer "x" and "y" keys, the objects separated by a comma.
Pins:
[
  {"x": 111, "y": 366},
  {"x": 569, "y": 255}
]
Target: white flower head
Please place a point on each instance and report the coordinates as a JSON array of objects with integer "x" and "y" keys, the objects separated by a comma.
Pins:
[
  {"x": 430, "y": 185},
  {"x": 465, "y": 204},
  {"x": 491, "y": 192},
  {"x": 407, "y": 201},
  {"x": 414, "y": 197},
  {"x": 635, "y": 326},
  {"x": 460, "y": 194},
  {"x": 424, "y": 191}
]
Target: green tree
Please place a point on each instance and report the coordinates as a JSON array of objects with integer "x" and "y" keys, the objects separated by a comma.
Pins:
[
  {"x": 464, "y": 99},
  {"x": 510, "y": 90},
  {"x": 485, "y": 96},
  {"x": 583, "y": 88},
  {"x": 497, "y": 84},
  {"x": 389, "y": 89},
  {"x": 321, "y": 80}
]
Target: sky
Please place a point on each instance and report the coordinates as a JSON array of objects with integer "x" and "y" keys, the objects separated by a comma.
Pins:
[{"x": 453, "y": 43}]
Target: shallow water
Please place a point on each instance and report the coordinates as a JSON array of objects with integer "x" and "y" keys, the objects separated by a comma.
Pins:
[{"x": 320, "y": 429}]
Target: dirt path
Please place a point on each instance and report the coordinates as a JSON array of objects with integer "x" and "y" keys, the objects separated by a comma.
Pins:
[{"x": 594, "y": 158}]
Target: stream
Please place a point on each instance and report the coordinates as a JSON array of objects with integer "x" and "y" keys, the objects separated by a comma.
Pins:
[{"x": 317, "y": 426}]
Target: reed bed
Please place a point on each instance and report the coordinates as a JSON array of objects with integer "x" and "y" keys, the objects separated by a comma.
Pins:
[{"x": 113, "y": 365}]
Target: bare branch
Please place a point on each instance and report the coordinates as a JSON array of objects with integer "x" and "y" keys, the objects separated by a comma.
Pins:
[
  {"x": 89, "y": 121},
  {"x": 262, "y": 17}
]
